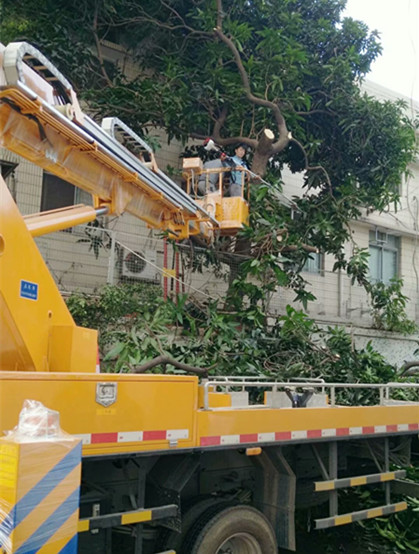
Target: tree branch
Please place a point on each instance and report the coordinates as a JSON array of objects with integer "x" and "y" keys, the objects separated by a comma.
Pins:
[
  {"x": 315, "y": 167},
  {"x": 279, "y": 118},
  {"x": 219, "y": 123},
  {"x": 295, "y": 248},
  {"x": 324, "y": 112},
  {"x": 407, "y": 369},
  {"x": 165, "y": 360},
  {"x": 220, "y": 14},
  {"x": 224, "y": 141},
  {"x": 98, "y": 48},
  {"x": 236, "y": 140},
  {"x": 145, "y": 18}
]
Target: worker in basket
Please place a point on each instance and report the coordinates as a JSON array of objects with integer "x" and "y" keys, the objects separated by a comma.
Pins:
[
  {"x": 209, "y": 182},
  {"x": 237, "y": 174}
]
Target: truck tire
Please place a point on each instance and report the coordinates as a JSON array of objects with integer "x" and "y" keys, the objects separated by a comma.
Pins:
[
  {"x": 233, "y": 530},
  {"x": 193, "y": 512}
]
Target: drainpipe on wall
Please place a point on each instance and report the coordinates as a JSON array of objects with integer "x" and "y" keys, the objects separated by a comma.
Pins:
[{"x": 111, "y": 262}]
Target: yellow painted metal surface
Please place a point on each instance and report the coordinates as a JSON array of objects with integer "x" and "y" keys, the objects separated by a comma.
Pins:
[
  {"x": 345, "y": 519},
  {"x": 235, "y": 214},
  {"x": 82, "y": 164},
  {"x": 155, "y": 412},
  {"x": 39, "y": 495},
  {"x": 231, "y": 212},
  {"x": 56, "y": 220},
  {"x": 357, "y": 481},
  {"x": 401, "y": 506},
  {"x": 230, "y": 422},
  {"x": 150, "y": 412},
  {"x": 219, "y": 400},
  {"x": 325, "y": 486},
  {"x": 30, "y": 303},
  {"x": 215, "y": 399},
  {"x": 72, "y": 347},
  {"x": 83, "y": 525},
  {"x": 256, "y": 451},
  {"x": 136, "y": 518}
]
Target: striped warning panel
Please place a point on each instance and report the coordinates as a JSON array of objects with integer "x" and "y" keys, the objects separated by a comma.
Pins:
[
  {"x": 134, "y": 436},
  {"x": 40, "y": 502},
  {"x": 306, "y": 434},
  {"x": 359, "y": 480},
  {"x": 344, "y": 519},
  {"x": 127, "y": 518}
]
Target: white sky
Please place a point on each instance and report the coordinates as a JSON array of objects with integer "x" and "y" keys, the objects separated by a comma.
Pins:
[{"x": 398, "y": 23}]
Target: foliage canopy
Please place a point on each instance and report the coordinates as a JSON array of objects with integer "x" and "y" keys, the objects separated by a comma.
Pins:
[{"x": 232, "y": 70}]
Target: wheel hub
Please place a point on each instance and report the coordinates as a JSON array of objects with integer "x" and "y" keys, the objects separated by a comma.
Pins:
[{"x": 240, "y": 543}]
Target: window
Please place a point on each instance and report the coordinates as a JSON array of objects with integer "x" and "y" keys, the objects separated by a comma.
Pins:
[
  {"x": 314, "y": 263},
  {"x": 7, "y": 170},
  {"x": 57, "y": 193},
  {"x": 384, "y": 256}
]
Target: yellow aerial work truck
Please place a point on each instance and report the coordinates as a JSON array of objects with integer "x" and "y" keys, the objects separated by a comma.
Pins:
[{"x": 168, "y": 463}]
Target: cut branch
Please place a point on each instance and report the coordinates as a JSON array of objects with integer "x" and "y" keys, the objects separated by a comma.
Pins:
[
  {"x": 295, "y": 248},
  {"x": 265, "y": 142},
  {"x": 407, "y": 369},
  {"x": 166, "y": 360}
]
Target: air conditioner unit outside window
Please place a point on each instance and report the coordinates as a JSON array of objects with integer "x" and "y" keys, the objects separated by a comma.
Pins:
[{"x": 140, "y": 265}]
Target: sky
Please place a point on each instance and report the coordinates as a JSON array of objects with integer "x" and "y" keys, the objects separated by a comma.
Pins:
[{"x": 398, "y": 23}]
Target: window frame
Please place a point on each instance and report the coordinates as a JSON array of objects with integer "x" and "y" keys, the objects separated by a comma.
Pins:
[
  {"x": 7, "y": 168},
  {"x": 383, "y": 246},
  {"x": 49, "y": 179},
  {"x": 78, "y": 195},
  {"x": 319, "y": 269}
]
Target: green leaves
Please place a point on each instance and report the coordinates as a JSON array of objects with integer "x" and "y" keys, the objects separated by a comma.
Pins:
[
  {"x": 136, "y": 325},
  {"x": 357, "y": 268},
  {"x": 388, "y": 305}
]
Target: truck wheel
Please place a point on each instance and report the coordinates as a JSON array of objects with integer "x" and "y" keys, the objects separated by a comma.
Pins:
[
  {"x": 173, "y": 540},
  {"x": 232, "y": 530}
]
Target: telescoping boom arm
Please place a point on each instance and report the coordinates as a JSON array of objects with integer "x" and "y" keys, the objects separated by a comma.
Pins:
[{"x": 41, "y": 120}]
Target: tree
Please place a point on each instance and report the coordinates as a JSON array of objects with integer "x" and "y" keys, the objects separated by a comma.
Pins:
[{"x": 281, "y": 76}]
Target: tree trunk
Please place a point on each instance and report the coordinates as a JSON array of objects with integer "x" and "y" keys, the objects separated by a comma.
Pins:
[{"x": 263, "y": 152}]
